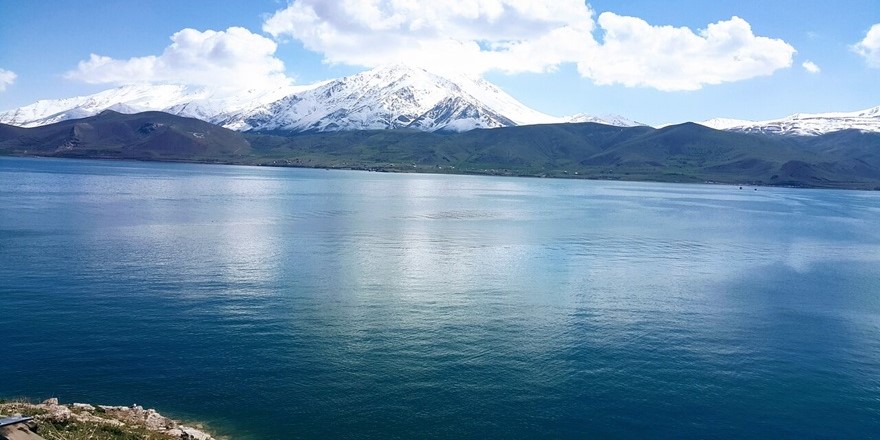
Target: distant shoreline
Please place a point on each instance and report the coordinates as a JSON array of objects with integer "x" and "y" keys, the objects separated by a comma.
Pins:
[
  {"x": 433, "y": 170},
  {"x": 685, "y": 153}
]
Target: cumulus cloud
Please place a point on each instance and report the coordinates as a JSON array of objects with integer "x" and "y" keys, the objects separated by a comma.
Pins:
[
  {"x": 7, "y": 77},
  {"x": 234, "y": 58},
  {"x": 635, "y": 53},
  {"x": 513, "y": 36},
  {"x": 869, "y": 47},
  {"x": 811, "y": 67},
  {"x": 470, "y": 35}
]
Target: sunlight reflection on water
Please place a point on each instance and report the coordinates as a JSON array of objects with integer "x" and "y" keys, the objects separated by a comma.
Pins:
[{"x": 353, "y": 305}]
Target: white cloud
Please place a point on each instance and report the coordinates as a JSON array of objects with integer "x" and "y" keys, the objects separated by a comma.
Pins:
[
  {"x": 462, "y": 35},
  {"x": 635, "y": 53},
  {"x": 529, "y": 36},
  {"x": 869, "y": 47},
  {"x": 811, "y": 67},
  {"x": 7, "y": 77},
  {"x": 234, "y": 58}
]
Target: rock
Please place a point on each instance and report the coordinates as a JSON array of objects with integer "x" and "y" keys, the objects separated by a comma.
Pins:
[
  {"x": 157, "y": 422},
  {"x": 89, "y": 418},
  {"x": 187, "y": 433},
  {"x": 19, "y": 431},
  {"x": 194, "y": 434},
  {"x": 59, "y": 413},
  {"x": 123, "y": 417}
]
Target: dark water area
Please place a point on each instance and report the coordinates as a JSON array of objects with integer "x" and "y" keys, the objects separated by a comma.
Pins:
[{"x": 288, "y": 303}]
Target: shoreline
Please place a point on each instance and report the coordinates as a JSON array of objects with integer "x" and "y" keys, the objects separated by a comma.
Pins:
[
  {"x": 431, "y": 170},
  {"x": 75, "y": 421}
]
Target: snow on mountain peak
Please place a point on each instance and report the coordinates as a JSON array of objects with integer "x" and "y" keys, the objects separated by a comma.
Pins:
[
  {"x": 129, "y": 98},
  {"x": 804, "y": 124},
  {"x": 725, "y": 123},
  {"x": 615, "y": 120},
  {"x": 393, "y": 96}
]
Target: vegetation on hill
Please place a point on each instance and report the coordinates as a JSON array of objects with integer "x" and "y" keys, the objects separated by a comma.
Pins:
[
  {"x": 680, "y": 153},
  {"x": 80, "y": 421}
]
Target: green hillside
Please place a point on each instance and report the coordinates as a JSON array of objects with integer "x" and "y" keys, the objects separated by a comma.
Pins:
[
  {"x": 680, "y": 153},
  {"x": 144, "y": 136}
]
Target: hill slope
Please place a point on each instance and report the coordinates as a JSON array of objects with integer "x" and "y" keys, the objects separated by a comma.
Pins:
[
  {"x": 681, "y": 153},
  {"x": 149, "y": 135}
]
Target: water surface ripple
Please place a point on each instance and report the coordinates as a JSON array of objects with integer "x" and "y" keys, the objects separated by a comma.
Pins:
[{"x": 285, "y": 303}]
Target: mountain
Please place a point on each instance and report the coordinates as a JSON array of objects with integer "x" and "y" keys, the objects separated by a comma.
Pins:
[
  {"x": 198, "y": 102},
  {"x": 145, "y": 136},
  {"x": 615, "y": 120},
  {"x": 804, "y": 124},
  {"x": 387, "y": 97},
  {"x": 680, "y": 153},
  {"x": 396, "y": 96}
]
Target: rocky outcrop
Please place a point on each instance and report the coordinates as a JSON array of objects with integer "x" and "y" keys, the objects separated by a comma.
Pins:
[
  {"x": 20, "y": 431},
  {"x": 51, "y": 411}
]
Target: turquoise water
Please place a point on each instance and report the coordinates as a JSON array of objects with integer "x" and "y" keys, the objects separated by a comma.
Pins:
[{"x": 286, "y": 303}]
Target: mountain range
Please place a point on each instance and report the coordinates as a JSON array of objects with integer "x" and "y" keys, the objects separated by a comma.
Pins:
[
  {"x": 804, "y": 124},
  {"x": 388, "y": 97},
  {"x": 680, "y": 153},
  {"x": 400, "y": 118},
  {"x": 395, "y": 96}
]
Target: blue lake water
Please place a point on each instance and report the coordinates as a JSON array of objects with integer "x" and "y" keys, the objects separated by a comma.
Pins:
[{"x": 288, "y": 303}]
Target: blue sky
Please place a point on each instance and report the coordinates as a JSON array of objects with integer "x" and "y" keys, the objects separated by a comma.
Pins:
[{"x": 647, "y": 60}]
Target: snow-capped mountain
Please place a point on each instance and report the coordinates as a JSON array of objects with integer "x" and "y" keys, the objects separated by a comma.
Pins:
[
  {"x": 126, "y": 99},
  {"x": 197, "y": 102},
  {"x": 387, "y": 97},
  {"x": 804, "y": 124},
  {"x": 615, "y": 120},
  {"x": 394, "y": 96}
]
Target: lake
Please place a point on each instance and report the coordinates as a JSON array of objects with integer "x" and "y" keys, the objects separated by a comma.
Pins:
[{"x": 293, "y": 303}]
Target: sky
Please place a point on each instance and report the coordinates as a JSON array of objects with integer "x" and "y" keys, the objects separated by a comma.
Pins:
[{"x": 656, "y": 62}]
